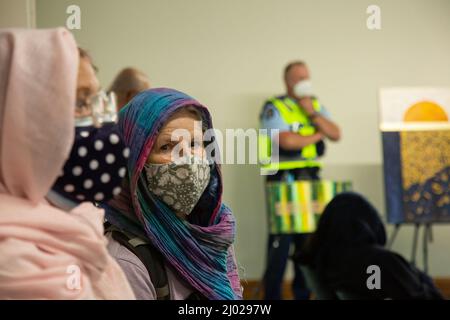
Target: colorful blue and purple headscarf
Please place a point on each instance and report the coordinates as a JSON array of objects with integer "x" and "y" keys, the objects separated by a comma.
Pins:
[{"x": 200, "y": 249}]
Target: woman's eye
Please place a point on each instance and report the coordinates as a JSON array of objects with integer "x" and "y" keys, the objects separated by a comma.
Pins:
[{"x": 165, "y": 147}]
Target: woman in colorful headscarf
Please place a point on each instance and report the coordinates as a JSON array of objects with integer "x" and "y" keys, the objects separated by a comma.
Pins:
[
  {"x": 45, "y": 252},
  {"x": 174, "y": 204}
]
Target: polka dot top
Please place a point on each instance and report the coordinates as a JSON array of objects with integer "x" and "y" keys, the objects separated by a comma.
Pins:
[{"x": 96, "y": 166}]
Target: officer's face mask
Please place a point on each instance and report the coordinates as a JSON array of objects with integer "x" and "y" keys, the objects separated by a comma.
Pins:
[
  {"x": 179, "y": 184},
  {"x": 303, "y": 88}
]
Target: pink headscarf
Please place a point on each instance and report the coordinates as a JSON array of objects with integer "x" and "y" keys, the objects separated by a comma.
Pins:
[{"x": 45, "y": 253}]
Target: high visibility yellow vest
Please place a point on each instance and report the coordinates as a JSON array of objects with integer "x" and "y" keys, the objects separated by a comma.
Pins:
[{"x": 293, "y": 115}]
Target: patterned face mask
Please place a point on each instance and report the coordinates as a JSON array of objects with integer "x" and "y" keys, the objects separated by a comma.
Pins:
[{"x": 179, "y": 185}]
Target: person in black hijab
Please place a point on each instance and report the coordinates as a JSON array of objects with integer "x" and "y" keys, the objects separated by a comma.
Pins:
[{"x": 351, "y": 237}]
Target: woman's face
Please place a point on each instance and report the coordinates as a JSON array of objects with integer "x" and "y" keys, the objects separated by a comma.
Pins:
[
  {"x": 87, "y": 87},
  {"x": 173, "y": 142}
]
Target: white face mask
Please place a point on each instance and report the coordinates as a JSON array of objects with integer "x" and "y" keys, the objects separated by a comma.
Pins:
[
  {"x": 179, "y": 185},
  {"x": 303, "y": 88}
]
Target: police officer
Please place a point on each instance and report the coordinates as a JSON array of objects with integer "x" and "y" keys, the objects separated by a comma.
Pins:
[{"x": 304, "y": 124}]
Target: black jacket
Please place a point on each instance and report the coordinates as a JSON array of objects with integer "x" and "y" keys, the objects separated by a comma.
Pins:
[{"x": 349, "y": 239}]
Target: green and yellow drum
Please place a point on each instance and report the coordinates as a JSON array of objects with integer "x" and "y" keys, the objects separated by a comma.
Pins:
[{"x": 295, "y": 207}]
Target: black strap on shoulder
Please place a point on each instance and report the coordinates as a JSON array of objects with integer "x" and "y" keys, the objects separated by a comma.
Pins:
[
  {"x": 152, "y": 259},
  {"x": 149, "y": 256},
  {"x": 195, "y": 296}
]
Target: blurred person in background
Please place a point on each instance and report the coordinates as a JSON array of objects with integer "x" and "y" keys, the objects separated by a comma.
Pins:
[
  {"x": 128, "y": 83},
  {"x": 304, "y": 125},
  {"x": 349, "y": 239}
]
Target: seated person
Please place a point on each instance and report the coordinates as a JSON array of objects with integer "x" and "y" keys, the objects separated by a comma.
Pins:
[
  {"x": 46, "y": 253},
  {"x": 173, "y": 208},
  {"x": 128, "y": 83},
  {"x": 351, "y": 237},
  {"x": 97, "y": 163}
]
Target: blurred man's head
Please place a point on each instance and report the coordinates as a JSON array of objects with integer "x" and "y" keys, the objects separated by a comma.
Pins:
[
  {"x": 293, "y": 73},
  {"x": 128, "y": 83},
  {"x": 87, "y": 84}
]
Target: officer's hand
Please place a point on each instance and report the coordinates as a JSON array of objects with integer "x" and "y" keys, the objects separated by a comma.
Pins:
[
  {"x": 319, "y": 136},
  {"x": 306, "y": 104}
]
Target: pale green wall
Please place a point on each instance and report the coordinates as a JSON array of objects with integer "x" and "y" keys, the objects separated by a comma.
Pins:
[
  {"x": 17, "y": 13},
  {"x": 229, "y": 54}
]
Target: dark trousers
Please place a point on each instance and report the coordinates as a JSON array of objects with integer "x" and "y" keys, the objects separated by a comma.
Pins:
[
  {"x": 278, "y": 253},
  {"x": 279, "y": 247}
]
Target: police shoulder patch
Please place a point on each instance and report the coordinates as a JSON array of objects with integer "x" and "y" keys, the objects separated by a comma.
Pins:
[{"x": 268, "y": 114}]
